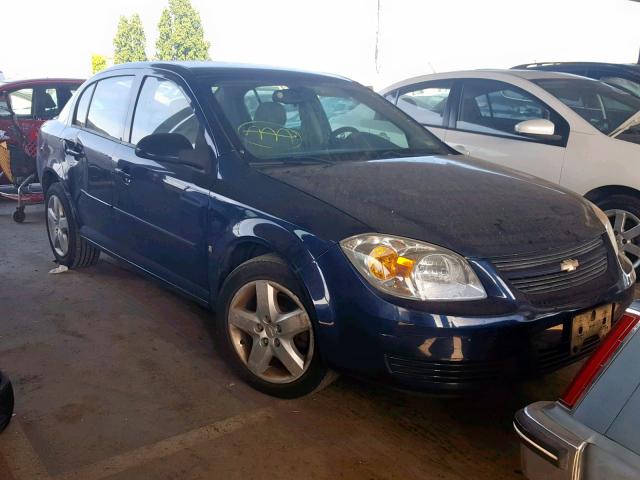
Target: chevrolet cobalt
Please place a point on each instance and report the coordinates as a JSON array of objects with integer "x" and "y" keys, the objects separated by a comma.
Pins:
[{"x": 327, "y": 229}]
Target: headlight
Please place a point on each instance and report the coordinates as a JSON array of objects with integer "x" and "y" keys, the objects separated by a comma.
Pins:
[
  {"x": 607, "y": 226},
  {"x": 411, "y": 269}
]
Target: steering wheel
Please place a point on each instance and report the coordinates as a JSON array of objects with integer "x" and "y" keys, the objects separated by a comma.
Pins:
[{"x": 340, "y": 133}]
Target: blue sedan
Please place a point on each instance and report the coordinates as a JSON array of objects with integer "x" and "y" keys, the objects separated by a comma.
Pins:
[{"x": 327, "y": 239}]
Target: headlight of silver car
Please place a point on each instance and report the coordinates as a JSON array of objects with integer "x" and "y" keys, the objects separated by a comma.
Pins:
[
  {"x": 411, "y": 269},
  {"x": 607, "y": 226}
]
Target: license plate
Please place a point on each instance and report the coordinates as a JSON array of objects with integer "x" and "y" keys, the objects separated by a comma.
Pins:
[{"x": 588, "y": 324}]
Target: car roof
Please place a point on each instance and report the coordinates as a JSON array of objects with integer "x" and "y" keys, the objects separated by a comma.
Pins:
[
  {"x": 38, "y": 81},
  {"x": 494, "y": 74},
  {"x": 625, "y": 66},
  {"x": 203, "y": 68}
]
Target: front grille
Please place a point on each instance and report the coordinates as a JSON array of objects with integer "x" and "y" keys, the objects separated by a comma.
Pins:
[
  {"x": 541, "y": 274},
  {"x": 443, "y": 372}
]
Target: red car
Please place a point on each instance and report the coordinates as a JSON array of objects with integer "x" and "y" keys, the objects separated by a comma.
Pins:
[{"x": 34, "y": 102}]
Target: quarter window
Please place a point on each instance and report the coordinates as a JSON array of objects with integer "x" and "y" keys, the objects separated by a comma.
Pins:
[
  {"x": 496, "y": 108},
  {"x": 163, "y": 107},
  {"x": 109, "y": 105},
  {"x": 426, "y": 104},
  {"x": 80, "y": 118}
]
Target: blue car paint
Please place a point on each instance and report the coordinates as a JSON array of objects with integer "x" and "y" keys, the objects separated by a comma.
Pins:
[{"x": 301, "y": 214}]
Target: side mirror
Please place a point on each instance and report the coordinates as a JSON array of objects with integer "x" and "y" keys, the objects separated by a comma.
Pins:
[
  {"x": 165, "y": 147},
  {"x": 538, "y": 127}
]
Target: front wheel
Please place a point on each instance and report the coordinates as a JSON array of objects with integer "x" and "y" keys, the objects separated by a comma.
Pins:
[
  {"x": 624, "y": 214},
  {"x": 69, "y": 248},
  {"x": 266, "y": 332}
]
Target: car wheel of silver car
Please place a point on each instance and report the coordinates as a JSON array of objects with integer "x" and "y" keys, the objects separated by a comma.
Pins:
[
  {"x": 266, "y": 329},
  {"x": 624, "y": 214},
  {"x": 68, "y": 247}
]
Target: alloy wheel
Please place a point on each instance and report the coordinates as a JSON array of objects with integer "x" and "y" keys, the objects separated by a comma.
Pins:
[
  {"x": 626, "y": 227},
  {"x": 58, "y": 226},
  {"x": 271, "y": 331}
]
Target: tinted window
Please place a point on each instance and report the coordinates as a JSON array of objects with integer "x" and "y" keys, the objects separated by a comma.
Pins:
[
  {"x": 316, "y": 119},
  {"x": 602, "y": 105},
  {"x": 22, "y": 102},
  {"x": 109, "y": 105},
  {"x": 425, "y": 104},
  {"x": 47, "y": 103},
  {"x": 163, "y": 107},
  {"x": 83, "y": 106},
  {"x": 624, "y": 84},
  {"x": 496, "y": 108}
]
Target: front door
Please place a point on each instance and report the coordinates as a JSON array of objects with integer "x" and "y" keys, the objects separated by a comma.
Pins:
[
  {"x": 485, "y": 122},
  {"x": 162, "y": 207}
]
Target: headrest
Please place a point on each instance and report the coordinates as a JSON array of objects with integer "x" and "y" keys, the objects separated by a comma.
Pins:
[{"x": 271, "y": 112}]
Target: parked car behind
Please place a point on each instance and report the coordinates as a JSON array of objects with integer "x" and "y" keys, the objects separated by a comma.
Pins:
[
  {"x": 593, "y": 431},
  {"x": 625, "y": 76},
  {"x": 580, "y": 133},
  {"x": 323, "y": 245},
  {"x": 34, "y": 102}
]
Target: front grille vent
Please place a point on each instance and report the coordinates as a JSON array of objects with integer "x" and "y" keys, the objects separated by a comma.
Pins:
[{"x": 538, "y": 274}]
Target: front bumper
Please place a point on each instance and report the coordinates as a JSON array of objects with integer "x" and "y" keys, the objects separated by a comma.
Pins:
[{"x": 439, "y": 346}]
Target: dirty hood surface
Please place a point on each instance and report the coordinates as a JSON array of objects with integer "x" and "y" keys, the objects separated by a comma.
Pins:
[{"x": 470, "y": 206}]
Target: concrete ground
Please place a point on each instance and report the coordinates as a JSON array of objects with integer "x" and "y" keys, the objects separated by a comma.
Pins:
[{"x": 117, "y": 378}]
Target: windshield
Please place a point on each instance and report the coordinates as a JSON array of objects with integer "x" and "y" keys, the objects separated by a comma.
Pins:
[
  {"x": 603, "y": 106},
  {"x": 285, "y": 119}
]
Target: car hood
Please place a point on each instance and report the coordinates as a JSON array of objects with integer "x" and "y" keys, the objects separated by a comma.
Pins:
[{"x": 470, "y": 206}]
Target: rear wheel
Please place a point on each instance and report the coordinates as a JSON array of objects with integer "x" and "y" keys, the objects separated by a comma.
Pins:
[
  {"x": 266, "y": 332},
  {"x": 69, "y": 248},
  {"x": 624, "y": 214}
]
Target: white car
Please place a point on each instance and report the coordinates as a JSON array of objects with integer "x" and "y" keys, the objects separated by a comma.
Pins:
[{"x": 578, "y": 132}]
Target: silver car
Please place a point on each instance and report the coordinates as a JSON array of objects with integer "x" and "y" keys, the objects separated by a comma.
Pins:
[{"x": 593, "y": 431}]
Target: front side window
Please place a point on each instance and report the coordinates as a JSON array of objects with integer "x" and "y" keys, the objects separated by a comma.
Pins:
[
  {"x": 603, "y": 106},
  {"x": 109, "y": 105},
  {"x": 426, "y": 104},
  {"x": 316, "y": 119},
  {"x": 496, "y": 108},
  {"x": 163, "y": 107},
  {"x": 22, "y": 102}
]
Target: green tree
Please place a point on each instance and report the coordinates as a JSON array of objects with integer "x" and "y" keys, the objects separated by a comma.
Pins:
[
  {"x": 180, "y": 33},
  {"x": 129, "y": 41},
  {"x": 98, "y": 63}
]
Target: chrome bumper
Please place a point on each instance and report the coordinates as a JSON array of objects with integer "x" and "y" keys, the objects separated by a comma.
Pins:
[{"x": 549, "y": 451}]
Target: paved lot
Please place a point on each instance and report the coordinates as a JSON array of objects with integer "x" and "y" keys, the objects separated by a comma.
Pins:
[{"x": 118, "y": 378}]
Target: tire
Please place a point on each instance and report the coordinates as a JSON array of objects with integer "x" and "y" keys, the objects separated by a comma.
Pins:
[
  {"x": 270, "y": 273},
  {"x": 19, "y": 215},
  {"x": 612, "y": 206},
  {"x": 6, "y": 402},
  {"x": 75, "y": 252}
]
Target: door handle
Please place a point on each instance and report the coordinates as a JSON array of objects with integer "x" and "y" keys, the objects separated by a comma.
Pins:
[
  {"x": 73, "y": 148},
  {"x": 125, "y": 176},
  {"x": 462, "y": 149}
]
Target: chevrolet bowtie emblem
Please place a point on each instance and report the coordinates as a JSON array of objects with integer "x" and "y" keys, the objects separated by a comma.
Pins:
[{"x": 569, "y": 265}]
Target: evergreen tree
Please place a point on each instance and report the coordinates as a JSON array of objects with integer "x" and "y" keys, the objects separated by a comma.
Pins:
[
  {"x": 129, "y": 41},
  {"x": 181, "y": 35}
]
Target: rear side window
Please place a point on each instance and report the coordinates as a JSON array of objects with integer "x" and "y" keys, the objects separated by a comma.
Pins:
[
  {"x": 80, "y": 118},
  {"x": 163, "y": 107},
  {"x": 109, "y": 105},
  {"x": 22, "y": 102},
  {"x": 496, "y": 108},
  {"x": 426, "y": 103}
]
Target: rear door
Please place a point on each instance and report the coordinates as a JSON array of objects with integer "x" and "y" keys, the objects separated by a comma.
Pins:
[
  {"x": 485, "y": 120},
  {"x": 93, "y": 144},
  {"x": 161, "y": 208},
  {"x": 427, "y": 103}
]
